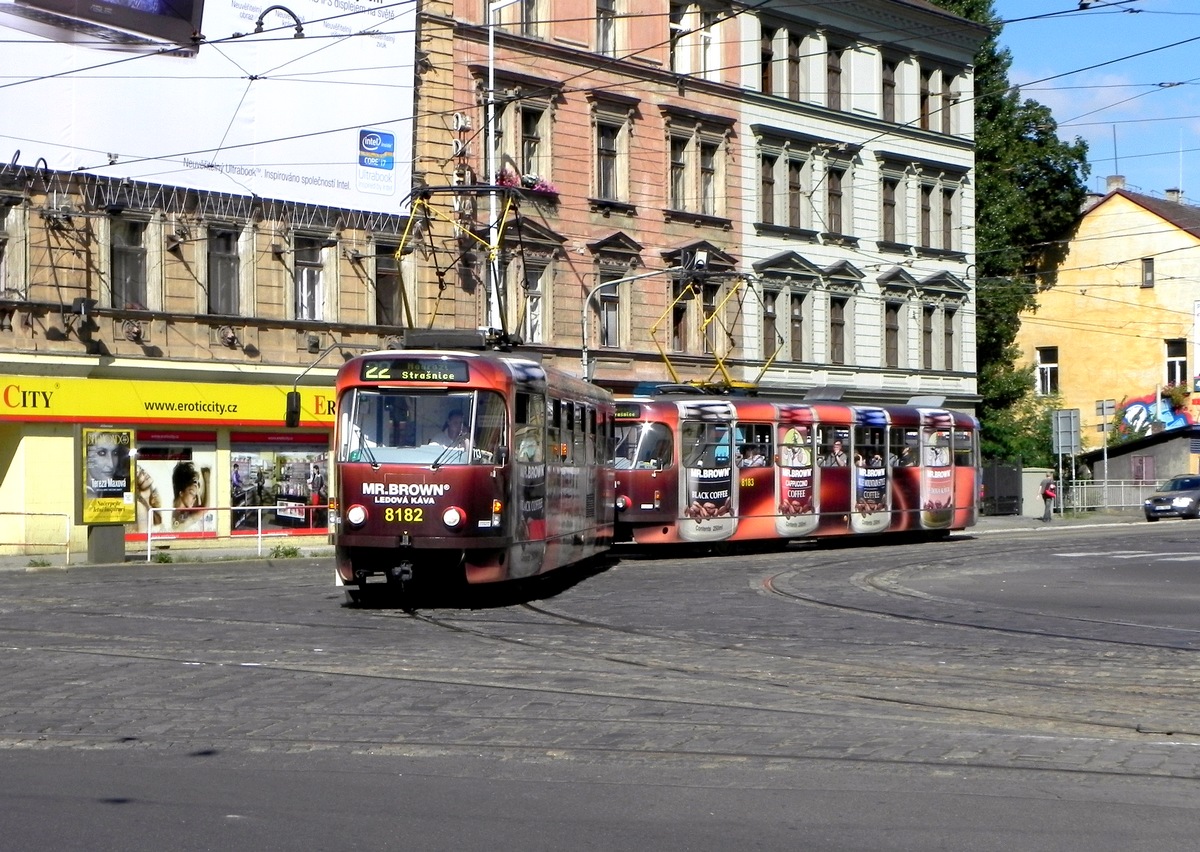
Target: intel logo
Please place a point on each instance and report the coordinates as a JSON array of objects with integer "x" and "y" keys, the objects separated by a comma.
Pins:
[{"x": 372, "y": 142}]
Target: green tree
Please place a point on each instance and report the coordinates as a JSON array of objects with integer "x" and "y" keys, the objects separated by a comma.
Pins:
[{"x": 1030, "y": 187}]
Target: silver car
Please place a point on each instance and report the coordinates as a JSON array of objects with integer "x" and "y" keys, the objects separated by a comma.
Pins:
[{"x": 1178, "y": 497}]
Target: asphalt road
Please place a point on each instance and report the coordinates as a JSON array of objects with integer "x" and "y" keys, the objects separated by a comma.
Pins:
[{"x": 1029, "y": 690}]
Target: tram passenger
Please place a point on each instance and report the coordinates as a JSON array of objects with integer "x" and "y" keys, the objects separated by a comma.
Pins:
[{"x": 836, "y": 457}]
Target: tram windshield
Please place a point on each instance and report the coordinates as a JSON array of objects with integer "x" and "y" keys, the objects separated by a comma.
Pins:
[
  {"x": 385, "y": 426},
  {"x": 645, "y": 446}
]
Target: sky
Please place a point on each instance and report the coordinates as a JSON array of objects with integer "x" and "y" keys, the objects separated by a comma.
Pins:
[{"x": 1139, "y": 110}]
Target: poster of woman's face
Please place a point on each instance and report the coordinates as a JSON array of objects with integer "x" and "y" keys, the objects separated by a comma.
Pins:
[
  {"x": 107, "y": 487},
  {"x": 176, "y": 490}
]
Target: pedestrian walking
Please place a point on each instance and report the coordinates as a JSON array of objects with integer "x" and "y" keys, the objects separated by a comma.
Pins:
[{"x": 1049, "y": 492}]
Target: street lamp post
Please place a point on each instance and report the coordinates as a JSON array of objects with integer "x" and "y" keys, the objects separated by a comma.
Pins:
[
  {"x": 489, "y": 164},
  {"x": 584, "y": 354}
]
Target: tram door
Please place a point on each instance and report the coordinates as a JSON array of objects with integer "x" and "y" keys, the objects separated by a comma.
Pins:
[{"x": 708, "y": 500}]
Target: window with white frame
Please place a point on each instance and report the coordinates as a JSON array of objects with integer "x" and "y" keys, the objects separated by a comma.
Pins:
[
  {"x": 833, "y": 75},
  {"x": 608, "y": 306},
  {"x": 711, "y": 296},
  {"x": 309, "y": 278},
  {"x": 613, "y": 127},
  {"x": 606, "y": 27},
  {"x": 797, "y": 304},
  {"x": 770, "y": 328},
  {"x": 696, "y": 171},
  {"x": 795, "y": 67},
  {"x": 948, "y": 100},
  {"x": 927, "y": 215},
  {"x": 1177, "y": 368},
  {"x": 928, "y": 317},
  {"x": 767, "y": 164},
  {"x": 678, "y": 38},
  {"x": 766, "y": 60},
  {"x": 223, "y": 270},
  {"x": 837, "y": 198},
  {"x": 534, "y": 289},
  {"x": 128, "y": 262},
  {"x": 710, "y": 48},
  {"x": 949, "y": 338},
  {"x": 1047, "y": 370},
  {"x": 892, "y": 313},
  {"x": 839, "y": 309},
  {"x": 888, "y": 106},
  {"x": 522, "y": 136}
]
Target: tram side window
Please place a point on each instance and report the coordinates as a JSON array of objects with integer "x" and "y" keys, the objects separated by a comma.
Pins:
[
  {"x": 964, "y": 448},
  {"x": 833, "y": 446},
  {"x": 530, "y": 421},
  {"x": 904, "y": 444},
  {"x": 706, "y": 445},
  {"x": 756, "y": 445},
  {"x": 556, "y": 430},
  {"x": 489, "y": 427},
  {"x": 579, "y": 453},
  {"x": 870, "y": 445},
  {"x": 593, "y": 455}
]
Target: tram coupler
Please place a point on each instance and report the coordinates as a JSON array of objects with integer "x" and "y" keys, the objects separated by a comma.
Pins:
[{"x": 402, "y": 573}]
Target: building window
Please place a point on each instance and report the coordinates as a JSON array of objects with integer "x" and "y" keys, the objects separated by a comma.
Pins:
[
  {"x": 606, "y": 27},
  {"x": 947, "y": 103},
  {"x": 889, "y": 90},
  {"x": 770, "y": 331},
  {"x": 531, "y": 321},
  {"x": 795, "y": 69},
  {"x": 308, "y": 278},
  {"x": 1177, "y": 368},
  {"x": 711, "y": 296},
  {"x": 837, "y": 329},
  {"x": 609, "y": 307},
  {"x": 530, "y": 24},
  {"x": 679, "y": 149},
  {"x": 387, "y": 286},
  {"x": 796, "y": 331},
  {"x": 607, "y": 154},
  {"x": 948, "y": 341},
  {"x": 709, "y": 53},
  {"x": 708, "y": 177},
  {"x": 834, "y": 201},
  {"x": 927, "y": 216},
  {"x": 766, "y": 61},
  {"x": 833, "y": 77},
  {"x": 948, "y": 241},
  {"x": 676, "y": 36},
  {"x": 682, "y": 292},
  {"x": 128, "y": 263},
  {"x": 891, "y": 334},
  {"x": 1147, "y": 272},
  {"x": 796, "y": 194},
  {"x": 925, "y": 99},
  {"x": 766, "y": 187},
  {"x": 223, "y": 264},
  {"x": 531, "y": 140},
  {"x": 889, "y": 188},
  {"x": 927, "y": 317},
  {"x": 1047, "y": 370}
]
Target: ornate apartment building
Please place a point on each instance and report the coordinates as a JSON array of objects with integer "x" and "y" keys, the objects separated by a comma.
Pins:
[{"x": 755, "y": 194}]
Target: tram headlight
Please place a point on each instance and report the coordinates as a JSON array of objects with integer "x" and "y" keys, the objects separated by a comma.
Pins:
[
  {"x": 622, "y": 503},
  {"x": 454, "y": 517},
  {"x": 356, "y": 515}
]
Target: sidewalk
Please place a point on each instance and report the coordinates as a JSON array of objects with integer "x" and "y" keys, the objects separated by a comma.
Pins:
[{"x": 987, "y": 524}]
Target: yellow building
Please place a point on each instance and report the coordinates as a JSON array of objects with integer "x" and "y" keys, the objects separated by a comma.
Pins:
[{"x": 1119, "y": 326}]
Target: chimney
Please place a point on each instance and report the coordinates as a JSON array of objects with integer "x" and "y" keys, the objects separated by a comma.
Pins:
[
  {"x": 1115, "y": 182},
  {"x": 1175, "y": 195}
]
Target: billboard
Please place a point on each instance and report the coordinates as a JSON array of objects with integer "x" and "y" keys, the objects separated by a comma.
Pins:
[
  {"x": 108, "y": 476},
  {"x": 114, "y": 88}
]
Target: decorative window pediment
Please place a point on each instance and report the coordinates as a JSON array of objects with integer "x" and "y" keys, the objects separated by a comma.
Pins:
[{"x": 788, "y": 267}]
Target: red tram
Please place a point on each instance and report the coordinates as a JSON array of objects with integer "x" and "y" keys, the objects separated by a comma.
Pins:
[
  {"x": 716, "y": 469},
  {"x": 474, "y": 466}
]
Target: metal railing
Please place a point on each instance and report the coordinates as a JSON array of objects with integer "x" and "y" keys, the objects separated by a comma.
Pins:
[
  {"x": 25, "y": 541},
  {"x": 1105, "y": 494},
  {"x": 309, "y": 513}
]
